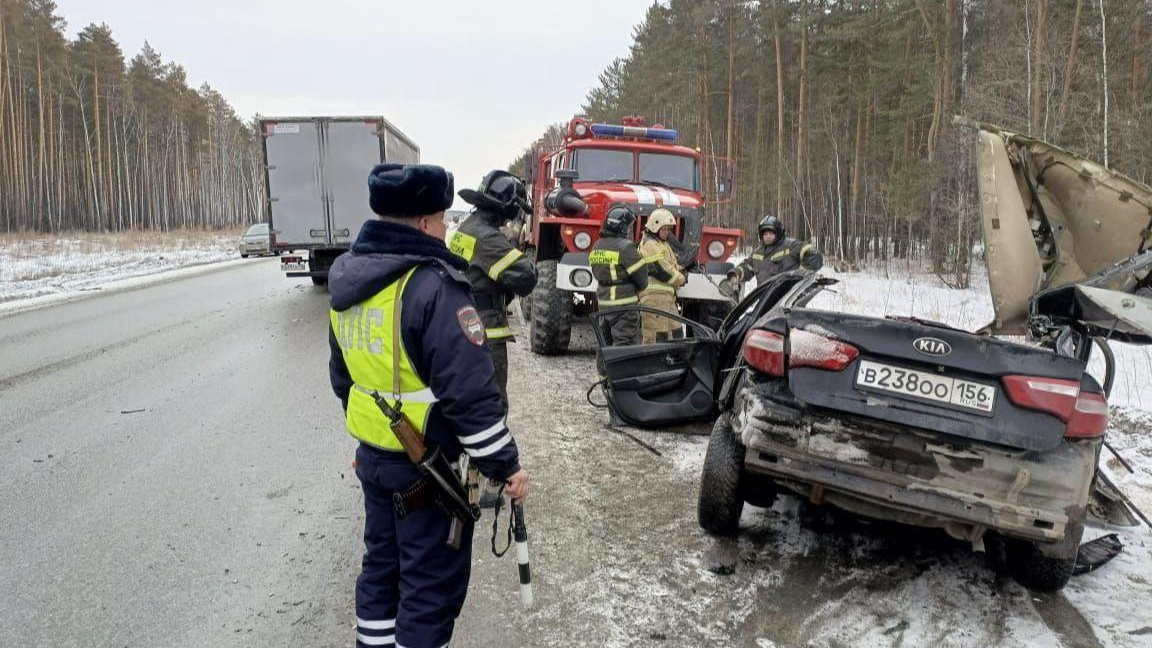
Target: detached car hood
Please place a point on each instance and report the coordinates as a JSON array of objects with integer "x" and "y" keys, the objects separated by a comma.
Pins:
[{"x": 1064, "y": 238}]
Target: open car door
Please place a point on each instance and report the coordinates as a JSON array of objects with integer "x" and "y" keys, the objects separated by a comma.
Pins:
[
  {"x": 663, "y": 383},
  {"x": 678, "y": 381}
]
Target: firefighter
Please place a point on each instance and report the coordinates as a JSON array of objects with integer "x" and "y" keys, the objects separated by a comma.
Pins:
[
  {"x": 621, "y": 273},
  {"x": 776, "y": 254},
  {"x": 664, "y": 277},
  {"x": 403, "y": 324},
  {"x": 498, "y": 271}
]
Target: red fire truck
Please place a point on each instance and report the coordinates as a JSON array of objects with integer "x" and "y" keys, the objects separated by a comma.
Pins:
[{"x": 600, "y": 166}]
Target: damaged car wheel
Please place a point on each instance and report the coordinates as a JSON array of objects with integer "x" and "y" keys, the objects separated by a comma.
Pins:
[
  {"x": 721, "y": 500},
  {"x": 1031, "y": 568}
]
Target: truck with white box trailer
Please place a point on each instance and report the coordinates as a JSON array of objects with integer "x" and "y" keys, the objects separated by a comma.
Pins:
[{"x": 316, "y": 184}]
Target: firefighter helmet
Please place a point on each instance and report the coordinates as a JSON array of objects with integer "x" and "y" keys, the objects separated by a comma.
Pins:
[
  {"x": 500, "y": 192},
  {"x": 659, "y": 218},
  {"x": 619, "y": 221},
  {"x": 771, "y": 224}
]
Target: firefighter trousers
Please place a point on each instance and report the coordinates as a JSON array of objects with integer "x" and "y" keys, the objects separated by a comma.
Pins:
[
  {"x": 499, "y": 350},
  {"x": 411, "y": 585},
  {"x": 622, "y": 329},
  {"x": 657, "y": 327}
]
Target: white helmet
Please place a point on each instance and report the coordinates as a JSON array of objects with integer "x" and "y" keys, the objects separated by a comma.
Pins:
[{"x": 659, "y": 218}]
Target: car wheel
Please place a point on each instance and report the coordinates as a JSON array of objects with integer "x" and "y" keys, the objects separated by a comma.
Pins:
[
  {"x": 720, "y": 503},
  {"x": 243, "y": 256},
  {"x": 1032, "y": 569},
  {"x": 551, "y": 324}
]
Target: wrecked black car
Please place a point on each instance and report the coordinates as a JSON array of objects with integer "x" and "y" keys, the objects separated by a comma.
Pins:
[{"x": 995, "y": 441}]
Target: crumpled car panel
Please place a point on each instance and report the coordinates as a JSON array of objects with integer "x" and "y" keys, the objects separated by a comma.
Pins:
[{"x": 1051, "y": 218}]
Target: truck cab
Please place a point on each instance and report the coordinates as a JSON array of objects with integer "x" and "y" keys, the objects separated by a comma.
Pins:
[{"x": 596, "y": 168}]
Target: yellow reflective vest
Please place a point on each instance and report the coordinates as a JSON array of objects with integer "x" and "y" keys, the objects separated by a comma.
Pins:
[{"x": 369, "y": 339}]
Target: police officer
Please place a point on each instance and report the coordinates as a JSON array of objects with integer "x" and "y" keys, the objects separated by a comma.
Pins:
[
  {"x": 664, "y": 277},
  {"x": 776, "y": 254},
  {"x": 621, "y": 273},
  {"x": 403, "y": 327},
  {"x": 498, "y": 271}
]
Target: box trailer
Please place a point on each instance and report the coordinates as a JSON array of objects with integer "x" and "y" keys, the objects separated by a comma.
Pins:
[{"x": 316, "y": 184}]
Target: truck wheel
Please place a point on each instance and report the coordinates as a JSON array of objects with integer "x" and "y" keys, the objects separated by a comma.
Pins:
[
  {"x": 319, "y": 281},
  {"x": 720, "y": 504},
  {"x": 526, "y": 308},
  {"x": 1032, "y": 569},
  {"x": 551, "y": 322}
]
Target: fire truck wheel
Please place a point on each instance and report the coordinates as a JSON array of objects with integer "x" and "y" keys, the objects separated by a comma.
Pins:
[
  {"x": 526, "y": 308},
  {"x": 551, "y": 313}
]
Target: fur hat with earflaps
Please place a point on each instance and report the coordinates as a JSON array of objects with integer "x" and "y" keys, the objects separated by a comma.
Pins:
[{"x": 407, "y": 190}]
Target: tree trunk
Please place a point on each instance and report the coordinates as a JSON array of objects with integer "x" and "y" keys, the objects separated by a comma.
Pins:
[
  {"x": 1069, "y": 67},
  {"x": 799, "y": 170},
  {"x": 779, "y": 115}
]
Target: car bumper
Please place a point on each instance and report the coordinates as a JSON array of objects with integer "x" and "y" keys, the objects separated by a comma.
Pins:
[
  {"x": 255, "y": 248},
  {"x": 917, "y": 477}
]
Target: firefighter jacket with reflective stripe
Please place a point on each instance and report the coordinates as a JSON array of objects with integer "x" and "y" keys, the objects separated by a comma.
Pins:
[
  {"x": 664, "y": 274},
  {"x": 496, "y": 269},
  {"x": 770, "y": 260},
  {"x": 448, "y": 383},
  {"x": 620, "y": 271}
]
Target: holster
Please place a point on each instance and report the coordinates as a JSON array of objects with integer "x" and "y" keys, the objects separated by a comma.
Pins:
[
  {"x": 429, "y": 490},
  {"x": 417, "y": 496}
]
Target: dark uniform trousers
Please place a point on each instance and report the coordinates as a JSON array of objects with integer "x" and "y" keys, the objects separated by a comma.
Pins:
[
  {"x": 400, "y": 546},
  {"x": 499, "y": 350},
  {"x": 622, "y": 329}
]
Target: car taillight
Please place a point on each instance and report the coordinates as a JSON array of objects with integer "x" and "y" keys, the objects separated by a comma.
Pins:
[
  {"x": 1089, "y": 417},
  {"x": 807, "y": 349},
  {"x": 1053, "y": 395},
  {"x": 764, "y": 350}
]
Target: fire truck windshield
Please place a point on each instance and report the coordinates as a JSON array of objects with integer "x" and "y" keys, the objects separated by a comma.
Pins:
[
  {"x": 603, "y": 165},
  {"x": 614, "y": 165},
  {"x": 669, "y": 170}
]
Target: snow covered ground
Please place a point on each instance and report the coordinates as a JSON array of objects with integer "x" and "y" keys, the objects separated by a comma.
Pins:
[{"x": 36, "y": 266}]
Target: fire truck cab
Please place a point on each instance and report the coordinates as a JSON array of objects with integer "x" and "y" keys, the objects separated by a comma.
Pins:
[{"x": 598, "y": 167}]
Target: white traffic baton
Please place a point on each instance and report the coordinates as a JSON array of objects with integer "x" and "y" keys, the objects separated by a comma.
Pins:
[
  {"x": 520, "y": 533},
  {"x": 517, "y": 531}
]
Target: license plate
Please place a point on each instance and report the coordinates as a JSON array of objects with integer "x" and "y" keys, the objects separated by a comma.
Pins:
[
  {"x": 922, "y": 385},
  {"x": 291, "y": 263}
]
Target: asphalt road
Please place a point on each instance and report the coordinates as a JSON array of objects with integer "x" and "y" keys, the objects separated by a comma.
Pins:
[{"x": 174, "y": 472}]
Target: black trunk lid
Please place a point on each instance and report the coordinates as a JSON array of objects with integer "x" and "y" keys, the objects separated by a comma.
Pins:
[{"x": 946, "y": 353}]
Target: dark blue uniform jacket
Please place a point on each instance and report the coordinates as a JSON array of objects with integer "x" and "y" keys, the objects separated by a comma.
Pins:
[{"x": 469, "y": 415}]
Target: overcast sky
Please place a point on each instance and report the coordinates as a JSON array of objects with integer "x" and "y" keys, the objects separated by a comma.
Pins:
[{"x": 471, "y": 81}]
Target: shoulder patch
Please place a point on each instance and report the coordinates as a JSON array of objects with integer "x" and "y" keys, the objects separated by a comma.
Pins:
[
  {"x": 463, "y": 245},
  {"x": 472, "y": 326}
]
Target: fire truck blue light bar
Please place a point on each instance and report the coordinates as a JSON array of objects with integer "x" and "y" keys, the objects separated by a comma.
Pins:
[{"x": 616, "y": 130}]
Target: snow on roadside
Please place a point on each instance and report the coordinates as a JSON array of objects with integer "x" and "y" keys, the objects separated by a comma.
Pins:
[{"x": 33, "y": 266}]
